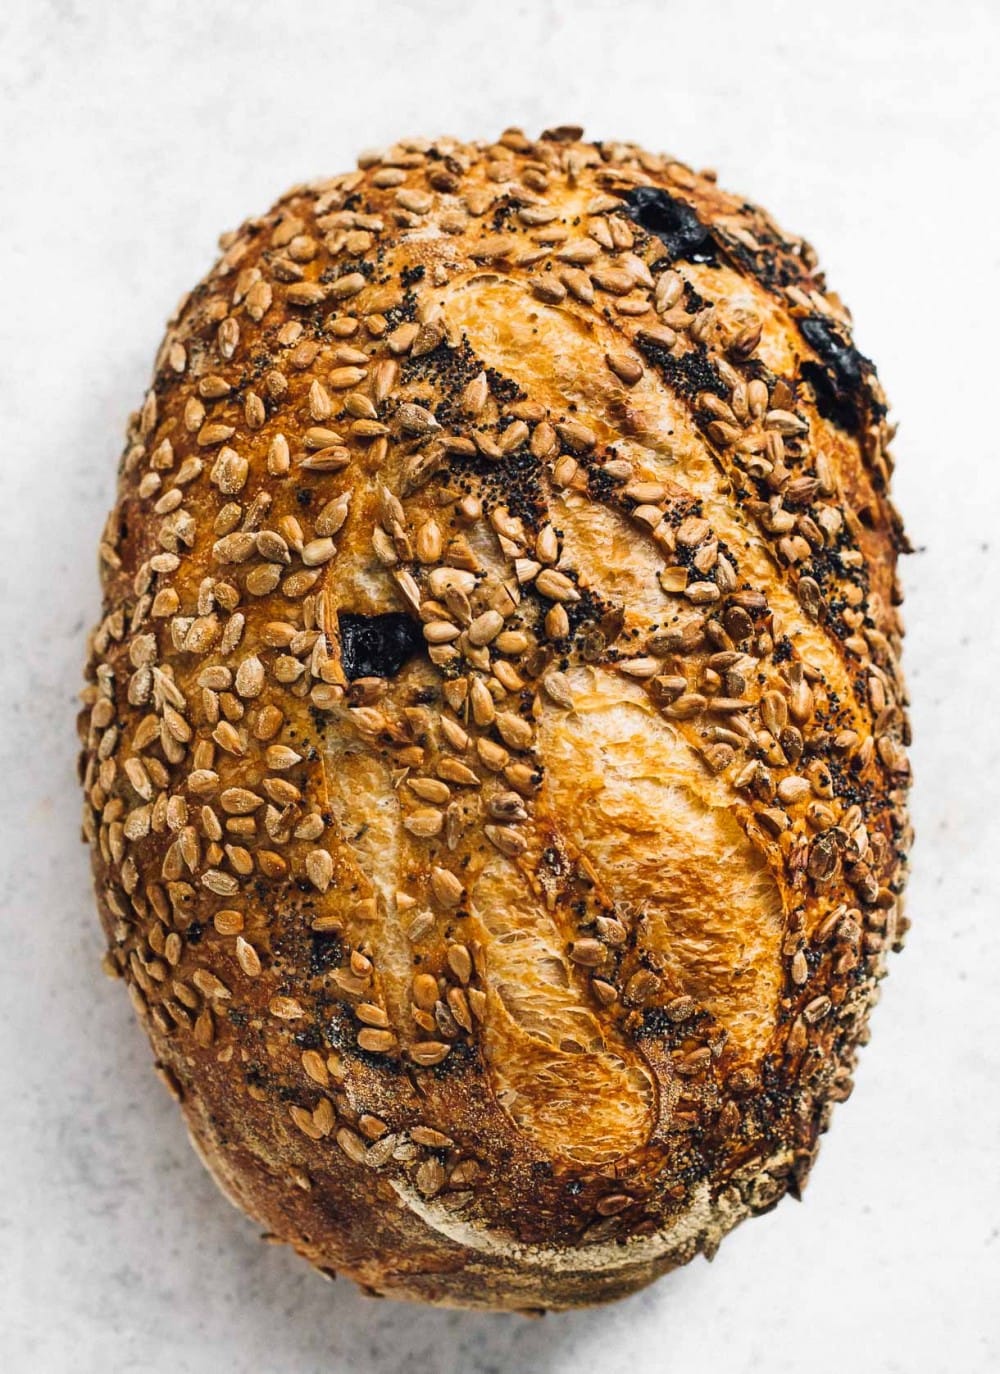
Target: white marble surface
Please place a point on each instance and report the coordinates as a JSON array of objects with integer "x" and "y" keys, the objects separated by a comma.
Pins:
[{"x": 133, "y": 134}]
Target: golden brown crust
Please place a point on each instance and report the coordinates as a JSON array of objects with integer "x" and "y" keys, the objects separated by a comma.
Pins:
[{"x": 494, "y": 744}]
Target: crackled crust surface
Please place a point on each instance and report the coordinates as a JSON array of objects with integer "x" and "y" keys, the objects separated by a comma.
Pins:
[{"x": 494, "y": 737}]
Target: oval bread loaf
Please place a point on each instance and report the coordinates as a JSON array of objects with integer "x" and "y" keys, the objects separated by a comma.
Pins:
[{"x": 494, "y": 736}]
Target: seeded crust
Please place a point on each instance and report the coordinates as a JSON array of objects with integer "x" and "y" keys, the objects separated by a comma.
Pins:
[{"x": 494, "y": 737}]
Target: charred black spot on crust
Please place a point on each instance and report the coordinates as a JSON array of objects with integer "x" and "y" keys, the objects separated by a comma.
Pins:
[
  {"x": 831, "y": 403},
  {"x": 673, "y": 222},
  {"x": 377, "y": 645},
  {"x": 839, "y": 382}
]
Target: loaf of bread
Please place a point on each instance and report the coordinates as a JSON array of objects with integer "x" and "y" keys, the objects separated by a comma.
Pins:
[{"x": 494, "y": 737}]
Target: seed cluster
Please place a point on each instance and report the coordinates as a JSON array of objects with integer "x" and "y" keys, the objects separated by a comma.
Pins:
[{"x": 338, "y": 580}]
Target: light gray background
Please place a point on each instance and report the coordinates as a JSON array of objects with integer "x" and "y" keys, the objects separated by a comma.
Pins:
[{"x": 134, "y": 133}]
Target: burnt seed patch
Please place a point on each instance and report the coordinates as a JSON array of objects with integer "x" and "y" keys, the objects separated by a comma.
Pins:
[
  {"x": 377, "y": 645},
  {"x": 673, "y": 221}
]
